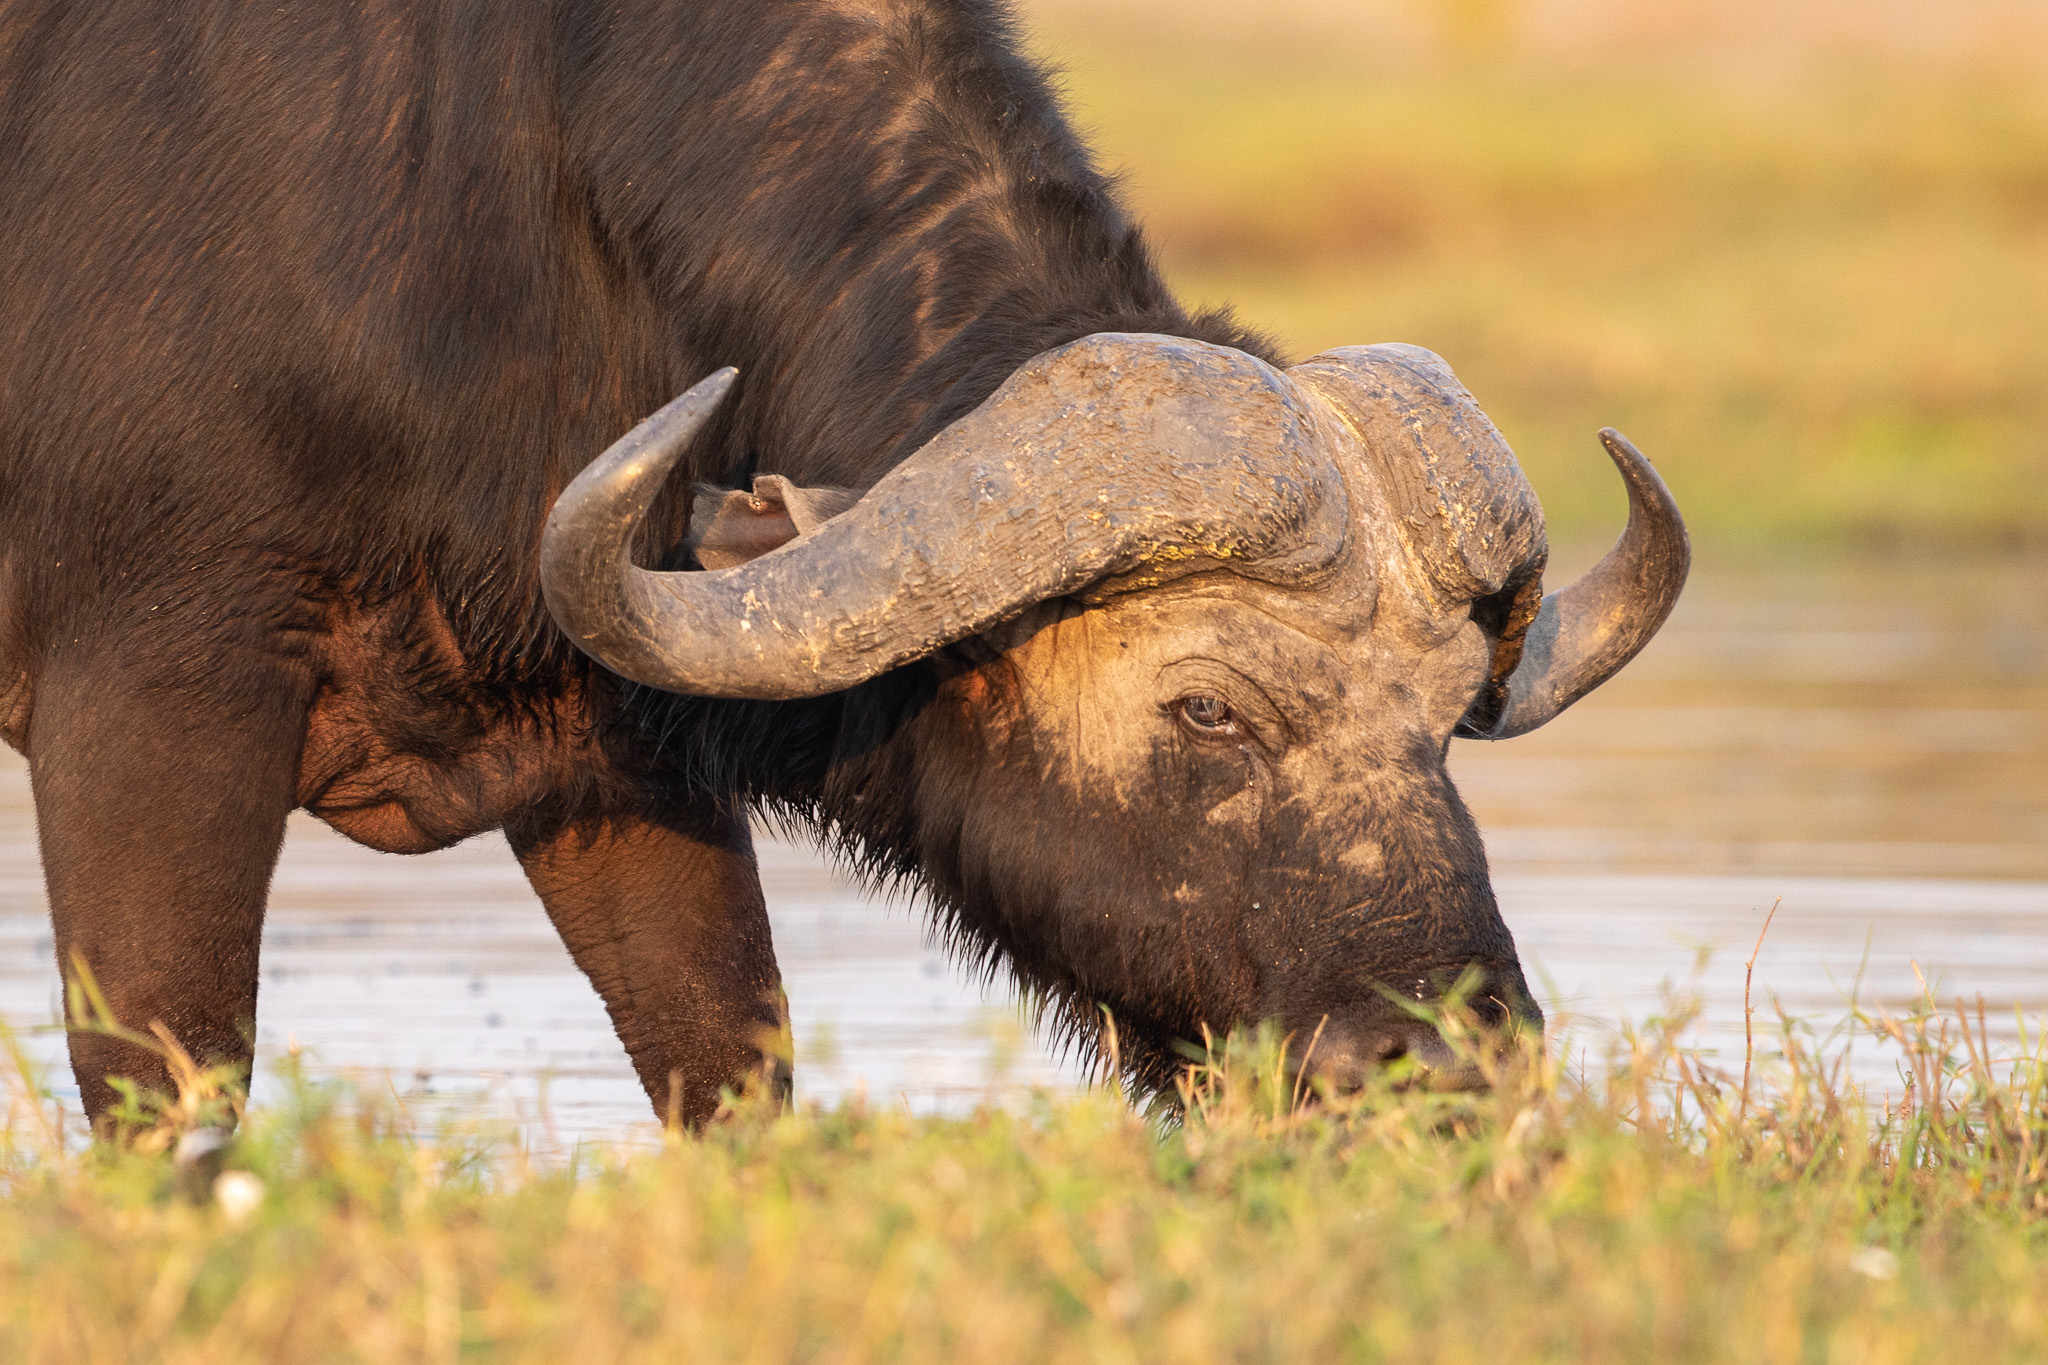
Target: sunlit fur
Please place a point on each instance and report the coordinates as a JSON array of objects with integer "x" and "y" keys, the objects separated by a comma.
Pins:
[{"x": 311, "y": 313}]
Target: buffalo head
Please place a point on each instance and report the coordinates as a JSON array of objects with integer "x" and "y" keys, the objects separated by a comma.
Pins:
[{"x": 1199, "y": 633}]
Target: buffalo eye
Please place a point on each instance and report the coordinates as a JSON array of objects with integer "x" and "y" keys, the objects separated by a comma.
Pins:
[{"x": 1208, "y": 715}]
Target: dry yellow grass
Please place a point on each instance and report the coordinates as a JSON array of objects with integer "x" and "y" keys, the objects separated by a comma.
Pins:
[
  {"x": 1810, "y": 274},
  {"x": 1656, "y": 1211}
]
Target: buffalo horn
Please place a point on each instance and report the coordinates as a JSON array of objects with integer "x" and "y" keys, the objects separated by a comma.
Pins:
[
  {"x": 1129, "y": 458},
  {"x": 1583, "y": 635}
]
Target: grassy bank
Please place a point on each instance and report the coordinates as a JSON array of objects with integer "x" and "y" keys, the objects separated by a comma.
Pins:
[
  {"x": 1812, "y": 283},
  {"x": 1644, "y": 1212}
]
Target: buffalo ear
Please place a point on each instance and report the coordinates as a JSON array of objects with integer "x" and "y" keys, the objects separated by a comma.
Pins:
[{"x": 729, "y": 527}]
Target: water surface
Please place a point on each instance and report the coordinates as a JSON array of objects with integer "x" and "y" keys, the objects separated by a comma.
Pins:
[{"x": 1863, "y": 742}]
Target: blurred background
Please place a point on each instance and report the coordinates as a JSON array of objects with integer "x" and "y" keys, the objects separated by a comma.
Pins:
[{"x": 1796, "y": 249}]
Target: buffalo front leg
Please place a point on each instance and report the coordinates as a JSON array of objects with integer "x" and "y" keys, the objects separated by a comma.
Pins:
[
  {"x": 666, "y": 919},
  {"x": 160, "y": 810}
]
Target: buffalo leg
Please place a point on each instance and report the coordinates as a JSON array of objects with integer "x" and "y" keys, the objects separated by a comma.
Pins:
[
  {"x": 160, "y": 811},
  {"x": 667, "y": 921}
]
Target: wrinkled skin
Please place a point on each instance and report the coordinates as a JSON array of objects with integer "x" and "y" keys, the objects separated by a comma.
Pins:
[
  {"x": 313, "y": 317},
  {"x": 1233, "y": 804},
  {"x": 1146, "y": 671}
]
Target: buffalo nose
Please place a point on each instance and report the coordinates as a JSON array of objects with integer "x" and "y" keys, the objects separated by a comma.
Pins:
[
  {"x": 1502, "y": 1000},
  {"x": 1348, "y": 1050},
  {"x": 1492, "y": 995}
]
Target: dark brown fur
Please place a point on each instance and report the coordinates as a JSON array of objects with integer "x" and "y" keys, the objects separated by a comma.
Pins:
[{"x": 307, "y": 314}]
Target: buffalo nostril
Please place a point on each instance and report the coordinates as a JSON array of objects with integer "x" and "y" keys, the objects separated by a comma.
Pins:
[
  {"x": 1488, "y": 1011},
  {"x": 1502, "y": 1003}
]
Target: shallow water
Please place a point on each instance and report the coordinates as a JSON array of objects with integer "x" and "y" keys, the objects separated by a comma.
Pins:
[{"x": 1863, "y": 742}]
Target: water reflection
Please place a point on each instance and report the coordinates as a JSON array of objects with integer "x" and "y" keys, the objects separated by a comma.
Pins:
[
  {"x": 1862, "y": 741},
  {"x": 1863, "y": 718}
]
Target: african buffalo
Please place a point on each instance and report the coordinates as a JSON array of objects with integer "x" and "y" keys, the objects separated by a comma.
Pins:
[{"x": 1137, "y": 653}]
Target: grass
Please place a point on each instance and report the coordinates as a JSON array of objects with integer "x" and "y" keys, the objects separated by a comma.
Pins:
[
  {"x": 1818, "y": 300},
  {"x": 1647, "y": 1209},
  {"x": 1814, "y": 291}
]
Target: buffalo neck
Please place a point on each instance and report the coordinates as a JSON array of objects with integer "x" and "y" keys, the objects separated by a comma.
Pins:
[{"x": 876, "y": 213}]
